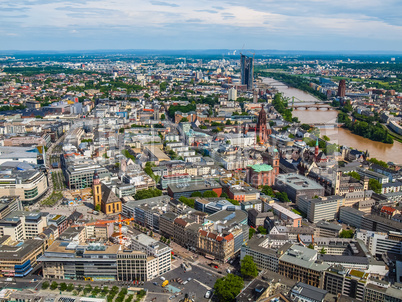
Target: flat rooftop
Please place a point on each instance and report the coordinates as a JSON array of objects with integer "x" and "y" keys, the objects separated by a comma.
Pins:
[
  {"x": 228, "y": 217},
  {"x": 298, "y": 182},
  {"x": 194, "y": 186}
]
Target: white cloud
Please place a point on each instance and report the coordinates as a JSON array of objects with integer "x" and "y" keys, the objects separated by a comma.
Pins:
[{"x": 379, "y": 20}]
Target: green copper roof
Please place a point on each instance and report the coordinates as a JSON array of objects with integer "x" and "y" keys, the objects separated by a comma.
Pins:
[{"x": 261, "y": 168}]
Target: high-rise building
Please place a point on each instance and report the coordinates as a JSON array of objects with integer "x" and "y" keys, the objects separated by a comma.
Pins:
[
  {"x": 255, "y": 96},
  {"x": 247, "y": 71},
  {"x": 342, "y": 88},
  {"x": 232, "y": 94}
]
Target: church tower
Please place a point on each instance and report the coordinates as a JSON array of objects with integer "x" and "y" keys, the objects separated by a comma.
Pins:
[
  {"x": 316, "y": 151},
  {"x": 337, "y": 185},
  {"x": 97, "y": 190},
  {"x": 275, "y": 162},
  {"x": 262, "y": 131}
]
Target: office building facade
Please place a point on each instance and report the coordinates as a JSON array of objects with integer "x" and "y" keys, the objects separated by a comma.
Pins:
[{"x": 247, "y": 71}]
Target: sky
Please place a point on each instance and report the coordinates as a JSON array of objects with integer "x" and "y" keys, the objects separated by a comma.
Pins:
[{"x": 316, "y": 25}]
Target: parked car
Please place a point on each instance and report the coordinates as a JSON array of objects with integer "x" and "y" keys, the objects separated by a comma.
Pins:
[
  {"x": 155, "y": 283},
  {"x": 208, "y": 294}
]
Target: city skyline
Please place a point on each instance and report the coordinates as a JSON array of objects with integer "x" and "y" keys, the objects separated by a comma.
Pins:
[{"x": 121, "y": 24}]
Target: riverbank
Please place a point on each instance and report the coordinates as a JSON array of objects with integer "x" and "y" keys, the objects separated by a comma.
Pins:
[
  {"x": 340, "y": 136},
  {"x": 394, "y": 135},
  {"x": 294, "y": 81}
]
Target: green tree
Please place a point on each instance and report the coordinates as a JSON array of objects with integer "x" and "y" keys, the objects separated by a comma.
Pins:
[
  {"x": 45, "y": 285},
  {"x": 262, "y": 230},
  {"x": 378, "y": 162},
  {"x": 148, "y": 193},
  {"x": 227, "y": 288},
  {"x": 88, "y": 286},
  {"x": 282, "y": 196},
  {"x": 196, "y": 194},
  {"x": 70, "y": 287},
  {"x": 163, "y": 86},
  {"x": 323, "y": 251},
  {"x": 98, "y": 207},
  {"x": 79, "y": 288},
  {"x": 224, "y": 195},
  {"x": 346, "y": 234},
  {"x": 355, "y": 175},
  {"x": 63, "y": 286},
  {"x": 233, "y": 201},
  {"x": 187, "y": 201},
  {"x": 267, "y": 190},
  {"x": 375, "y": 185},
  {"x": 326, "y": 138},
  {"x": 96, "y": 291},
  {"x": 305, "y": 127},
  {"x": 208, "y": 194},
  {"x": 54, "y": 285},
  {"x": 251, "y": 232},
  {"x": 121, "y": 130},
  {"x": 184, "y": 120},
  {"x": 105, "y": 291},
  {"x": 163, "y": 117},
  {"x": 248, "y": 268},
  {"x": 311, "y": 246}
]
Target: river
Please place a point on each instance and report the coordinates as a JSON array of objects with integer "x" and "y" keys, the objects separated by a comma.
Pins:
[{"x": 341, "y": 136}]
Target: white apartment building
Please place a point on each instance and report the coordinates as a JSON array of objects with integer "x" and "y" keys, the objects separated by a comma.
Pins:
[
  {"x": 379, "y": 243},
  {"x": 159, "y": 255},
  {"x": 20, "y": 225}
]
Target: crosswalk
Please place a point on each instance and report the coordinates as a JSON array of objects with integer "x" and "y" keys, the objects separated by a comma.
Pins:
[{"x": 204, "y": 285}]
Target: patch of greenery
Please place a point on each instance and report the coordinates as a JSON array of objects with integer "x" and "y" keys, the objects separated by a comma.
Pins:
[
  {"x": 187, "y": 201},
  {"x": 227, "y": 288},
  {"x": 148, "y": 193},
  {"x": 248, "y": 268},
  {"x": 346, "y": 234},
  {"x": 368, "y": 130}
]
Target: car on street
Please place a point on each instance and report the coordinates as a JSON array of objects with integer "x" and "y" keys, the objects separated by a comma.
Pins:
[
  {"x": 155, "y": 283},
  {"x": 208, "y": 294}
]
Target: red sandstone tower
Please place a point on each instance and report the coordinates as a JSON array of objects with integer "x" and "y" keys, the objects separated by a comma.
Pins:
[
  {"x": 342, "y": 89},
  {"x": 262, "y": 130}
]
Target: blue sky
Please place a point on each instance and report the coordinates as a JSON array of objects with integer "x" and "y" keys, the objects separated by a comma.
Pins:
[{"x": 201, "y": 24}]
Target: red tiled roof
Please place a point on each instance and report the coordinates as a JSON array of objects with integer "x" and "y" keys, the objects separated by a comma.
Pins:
[
  {"x": 229, "y": 237},
  {"x": 180, "y": 221},
  {"x": 388, "y": 210}
]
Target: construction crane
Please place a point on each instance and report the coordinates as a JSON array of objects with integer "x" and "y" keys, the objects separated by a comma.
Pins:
[{"x": 119, "y": 221}]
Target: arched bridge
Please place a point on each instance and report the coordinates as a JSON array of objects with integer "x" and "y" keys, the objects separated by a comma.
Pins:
[{"x": 315, "y": 106}]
